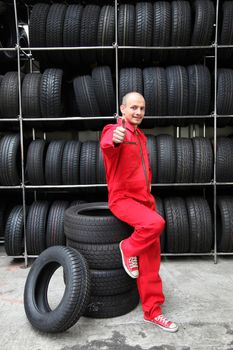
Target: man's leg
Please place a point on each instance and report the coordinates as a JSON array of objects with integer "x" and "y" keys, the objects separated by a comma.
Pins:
[
  {"x": 144, "y": 243},
  {"x": 147, "y": 223}
]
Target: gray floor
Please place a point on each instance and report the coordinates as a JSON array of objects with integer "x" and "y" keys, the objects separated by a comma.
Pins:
[{"x": 199, "y": 298}]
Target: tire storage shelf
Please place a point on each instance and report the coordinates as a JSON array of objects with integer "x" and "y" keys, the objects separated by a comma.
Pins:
[{"x": 178, "y": 53}]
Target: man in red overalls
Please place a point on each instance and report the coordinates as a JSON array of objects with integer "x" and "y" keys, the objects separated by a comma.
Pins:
[{"x": 128, "y": 176}]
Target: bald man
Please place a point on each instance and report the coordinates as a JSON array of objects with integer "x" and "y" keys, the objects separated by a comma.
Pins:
[{"x": 129, "y": 177}]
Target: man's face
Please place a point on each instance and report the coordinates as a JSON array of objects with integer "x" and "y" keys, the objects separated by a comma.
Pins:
[{"x": 134, "y": 109}]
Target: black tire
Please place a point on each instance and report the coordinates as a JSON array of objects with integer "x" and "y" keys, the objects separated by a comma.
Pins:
[
  {"x": 161, "y": 29},
  {"x": 224, "y": 159},
  {"x": 85, "y": 96},
  {"x": 199, "y": 83},
  {"x": 110, "y": 282},
  {"x": 54, "y": 32},
  {"x": 151, "y": 146},
  {"x": 160, "y": 210},
  {"x": 35, "y": 166},
  {"x": 55, "y": 224},
  {"x": 76, "y": 295},
  {"x": 131, "y": 79},
  {"x": 224, "y": 224},
  {"x": 77, "y": 202},
  {"x": 126, "y": 21},
  {"x": 71, "y": 32},
  {"x": 100, "y": 169},
  {"x": 99, "y": 256},
  {"x": 51, "y": 93},
  {"x": 184, "y": 160},
  {"x": 143, "y": 29},
  {"x": 88, "y": 33},
  {"x": 181, "y": 23},
  {"x": 31, "y": 95},
  {"x": 203, "y": 159},
  {"x": 155, "y": 91},
  {"x": 177, "y": 87},
  {"x": 204, "y": 23},
  {"x": 36, "y": 227},
  {"x": 226, "y": 35},
  {"x": 104, "y": 91},
  {"x": 37, "y": 30},
  {"x": 200, "y": 225},
  {"x": 9, "y": 95},
  {"x": 166, "y": 154},
  {"x": 94, "y": 223},
  {"x": 70, "y": 163},
  {"x": 225, "y": 92},
  {"x": 112, "y": 306},
  {"x": 105, "y": 34},
  {"x": 88, "y": 162},
  {"x": 177, "y": 226},
  {"x": 14, "y": 232},
  {"x": 53, "y": 162},
  {"x": 10, "y": 160}
]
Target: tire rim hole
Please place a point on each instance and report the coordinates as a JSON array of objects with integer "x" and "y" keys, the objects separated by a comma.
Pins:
[{"x": 56, "y": 288}]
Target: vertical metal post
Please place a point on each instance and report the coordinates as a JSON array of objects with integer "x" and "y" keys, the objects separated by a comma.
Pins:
[
  {"x": 116, "y": 60},
  {"x": 21, "y": 135},
  {"x": 215, "y": 128},
  {"x": 29, "y": 44},
  {"x": 33, "y": 138}
]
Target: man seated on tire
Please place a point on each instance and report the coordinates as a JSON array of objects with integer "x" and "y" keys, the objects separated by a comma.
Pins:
[{"x": 129, "y": 183}]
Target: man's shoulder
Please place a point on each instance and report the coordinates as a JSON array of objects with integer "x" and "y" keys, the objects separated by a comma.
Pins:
[
  {"x": 142, "y": 134},
  {"x": 108, "y": 127}
]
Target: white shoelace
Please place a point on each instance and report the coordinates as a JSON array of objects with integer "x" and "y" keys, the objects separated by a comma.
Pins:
[
  {"x": 133, "y": 262},
  {"x": 162, "y": 319}
]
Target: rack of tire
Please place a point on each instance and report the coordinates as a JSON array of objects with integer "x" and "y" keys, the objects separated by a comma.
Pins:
[
  {"x": 89, "y": 55},
  {"x": 61, "y": 162},
  {"x": 189, "y": 227}
]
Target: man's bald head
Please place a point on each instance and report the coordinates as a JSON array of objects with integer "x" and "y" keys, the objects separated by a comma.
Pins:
[
  {"x": 133, "y": 108},
  {"x": 132, "y": 94}
]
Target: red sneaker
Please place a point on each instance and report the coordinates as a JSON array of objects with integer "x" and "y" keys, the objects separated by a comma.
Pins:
[
  {"x": 162, "y": 322},
  {"x": 130, "y": 263}
]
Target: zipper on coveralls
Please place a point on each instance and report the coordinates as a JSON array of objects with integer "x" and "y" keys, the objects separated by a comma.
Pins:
[{"x": 143, "y": 162}]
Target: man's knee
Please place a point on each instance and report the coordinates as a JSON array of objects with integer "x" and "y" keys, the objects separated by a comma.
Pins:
[{"x": 156, "y": 225}]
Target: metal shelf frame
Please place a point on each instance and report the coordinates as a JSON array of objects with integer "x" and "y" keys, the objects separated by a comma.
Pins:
[{"x": 28, "y": 53}]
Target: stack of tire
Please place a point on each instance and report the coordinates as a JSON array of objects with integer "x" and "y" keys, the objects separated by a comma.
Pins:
[
  {"x": 145, "y": 24},
  {"x": 189, "y": 227},
  {"x": 44, "y": 227},
  {"x": 96, "y": 233},
  {"x": 180, "y": 160},
  {"x": 65, "y": 162},
  {"x": 58, "y": 25},
  {"x": 42, "y": 94},
  {"x": 174, "y": 91}
]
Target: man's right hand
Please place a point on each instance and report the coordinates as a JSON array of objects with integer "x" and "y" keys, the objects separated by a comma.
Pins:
[{"x": 119, "y": 134}]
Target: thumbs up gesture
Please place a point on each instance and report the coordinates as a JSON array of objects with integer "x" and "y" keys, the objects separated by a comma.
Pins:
[{"x": 119, "y": 133}]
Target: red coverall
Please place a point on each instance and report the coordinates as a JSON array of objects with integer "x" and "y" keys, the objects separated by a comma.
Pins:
[{"x": 128, "y": 176}]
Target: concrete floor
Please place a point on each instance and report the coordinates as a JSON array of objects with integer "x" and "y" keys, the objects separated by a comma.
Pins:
[{"x": 199, "y": 297}]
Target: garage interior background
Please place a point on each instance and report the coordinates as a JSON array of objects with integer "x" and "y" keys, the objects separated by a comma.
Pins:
[{"x": 178, "y": 54}]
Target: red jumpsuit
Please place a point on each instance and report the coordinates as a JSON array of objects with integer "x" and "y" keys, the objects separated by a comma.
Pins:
[{"x": 128, "y": 176}]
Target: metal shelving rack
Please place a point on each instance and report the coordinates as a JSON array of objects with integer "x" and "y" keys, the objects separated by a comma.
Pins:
[{"x": 21, "y": 120}]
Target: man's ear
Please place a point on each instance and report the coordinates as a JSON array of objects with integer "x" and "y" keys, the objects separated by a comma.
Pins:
[{"x": 122, "y": 109}]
